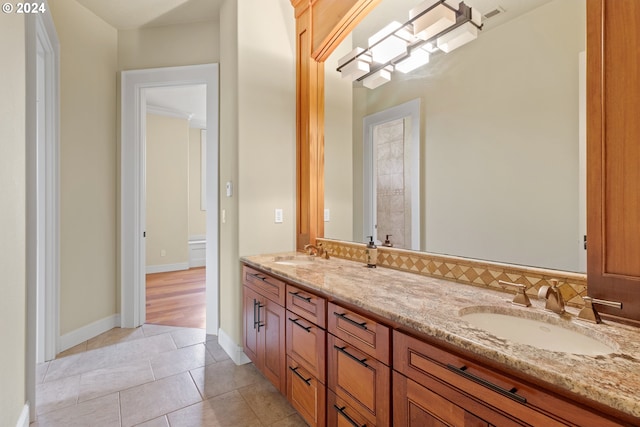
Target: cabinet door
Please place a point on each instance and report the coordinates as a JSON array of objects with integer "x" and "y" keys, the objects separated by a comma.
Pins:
[
  {"x": 306, "y": 343},
  {"x": 417, "y": 406},
  {"x": 306, "y": 394},
  {"x": 272, "y": 337},
  {"x": 362, "y": 381},
  {"x": 341, "y": 414},
  {"x": 613, "y": 154},
  {"x": 250, "y": 317}
]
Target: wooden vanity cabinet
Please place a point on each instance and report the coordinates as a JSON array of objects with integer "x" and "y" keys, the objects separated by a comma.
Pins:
[
  {"x": 433, "y": 386},
  {"x": 306, "y": 349},
  {"x": 264, "y": 325},
  {"x": 358, "y": 371}
]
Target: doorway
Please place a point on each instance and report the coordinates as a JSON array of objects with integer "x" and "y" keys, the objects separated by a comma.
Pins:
[
  {"x": 42, "y": 184},
  {"x": 392, "y": 175},
  {"x": 132, "y": 185},
  {"x": 175, "y": 206}
]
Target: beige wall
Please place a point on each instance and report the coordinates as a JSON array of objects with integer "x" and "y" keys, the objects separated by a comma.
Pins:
[
  {"x": 510, "y": 174},
  {"x": 167, "y": 174},
  {"x": 12, "y": 219},
  {"x": 168, "y": 46},
  {"x": 88, "y": 165},
  {"x": 197, "y": 217},
  {"x": 338, "y": 151},
  {"x": 257, "y": 140}
]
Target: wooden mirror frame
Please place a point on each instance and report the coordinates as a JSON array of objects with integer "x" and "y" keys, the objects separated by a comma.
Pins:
[{"x": 320, "y": 27}]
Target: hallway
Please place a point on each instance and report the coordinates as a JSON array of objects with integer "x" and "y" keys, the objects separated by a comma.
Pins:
[
  {"x": 177, "y": 298},
  {"x": 156, "y": 376}
]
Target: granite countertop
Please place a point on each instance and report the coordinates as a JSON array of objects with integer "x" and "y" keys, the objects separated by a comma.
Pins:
[{"x": 432, "y": 306}]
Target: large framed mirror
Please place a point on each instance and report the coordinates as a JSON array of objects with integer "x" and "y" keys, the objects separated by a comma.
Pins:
[{"x": 501, "y": 173}]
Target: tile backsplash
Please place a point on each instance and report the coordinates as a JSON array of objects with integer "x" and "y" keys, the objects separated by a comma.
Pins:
[{"x": 486, "y": 274}]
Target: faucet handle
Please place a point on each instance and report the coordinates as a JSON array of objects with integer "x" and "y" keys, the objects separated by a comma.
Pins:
[
  {"x": 521, "y": 297},
  {"x": 589, "y": 312}
]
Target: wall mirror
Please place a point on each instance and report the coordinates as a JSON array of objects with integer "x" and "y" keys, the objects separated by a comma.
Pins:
[{"x": 499, "y": 173}]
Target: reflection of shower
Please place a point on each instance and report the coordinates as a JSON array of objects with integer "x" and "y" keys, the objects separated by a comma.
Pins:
[{"x": 393, "y": 186}]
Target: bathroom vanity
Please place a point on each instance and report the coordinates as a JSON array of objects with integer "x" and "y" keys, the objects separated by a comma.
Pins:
[{"x": 352, "y": 346}]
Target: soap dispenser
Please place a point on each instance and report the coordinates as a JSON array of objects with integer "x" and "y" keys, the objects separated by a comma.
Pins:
[
  {"x": 387, "y": 243},
  {"x": 372, "y": 253}
]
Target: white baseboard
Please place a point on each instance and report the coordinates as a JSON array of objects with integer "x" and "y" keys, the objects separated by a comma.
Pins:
[
  {"x": 23, "y": 421},
  {"x": 234, "y": 351},
  {"x": 167, "y": 267},
  {"x": 89, "y": 331}
]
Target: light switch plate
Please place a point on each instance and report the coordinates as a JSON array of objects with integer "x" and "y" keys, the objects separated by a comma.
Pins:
[
  {"x": 327, "y": 215},
  {"x": 278, "y": 216},
  {"x": 229, "y": 189}
]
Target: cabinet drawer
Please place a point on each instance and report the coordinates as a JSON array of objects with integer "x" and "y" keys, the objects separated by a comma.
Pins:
[
  {"x": 340, "y": 414},
  {"x": 361, "y": 380},
  {"x": 306, "y": 343},
  {"x": 359, "y": 331},
  {"x": 264, "y": 284},
  {"x": 306, "y": 394},
  {"x": 307, "y": 305},
  {"x": 451, "y": 375}
]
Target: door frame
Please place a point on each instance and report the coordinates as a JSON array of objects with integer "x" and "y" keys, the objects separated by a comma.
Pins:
[
  {"x": 132, "y": 186},
  {"x": 43, "y": 214},
  {"x": 408, "y": 109}
]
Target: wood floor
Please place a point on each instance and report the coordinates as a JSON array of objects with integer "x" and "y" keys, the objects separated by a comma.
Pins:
[{"x": 177, "y": 298}]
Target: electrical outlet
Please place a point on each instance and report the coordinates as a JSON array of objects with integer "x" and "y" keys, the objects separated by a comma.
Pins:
[
  {"x": 224, "y": 216},
  {"x": 278, "y": 216},
  {"x": 327, "y": 215}
]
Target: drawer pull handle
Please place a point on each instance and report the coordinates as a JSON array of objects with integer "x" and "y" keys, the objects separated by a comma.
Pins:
[
  {"x": 343, "y": 316},
  {"x": 295, "y": 371},
  {"x": 503, "y": 391},
  {"x": 297, "y": 295},
  {"x": 258, "y": 276},
  {"x": 347, "y": 417},
  {"x": 360, "y": 361},
  {"x": 306, "y": 328}
]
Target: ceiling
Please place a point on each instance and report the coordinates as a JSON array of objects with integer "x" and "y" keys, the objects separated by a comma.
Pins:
[{"x": 130, "y": 14}]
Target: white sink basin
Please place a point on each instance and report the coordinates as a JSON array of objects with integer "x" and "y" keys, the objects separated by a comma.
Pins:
[
  {"x": 297, "y": 260},
  {"x": 542, "y": 332}
]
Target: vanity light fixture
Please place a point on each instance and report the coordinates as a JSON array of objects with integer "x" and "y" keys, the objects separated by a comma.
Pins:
[
  {"x": 357, "y": 67},
  {"x": 378, "y": 78},
  {"x": 416, "y": 59},
  {"x": 385, "y": 45},
  {"x": 457, "y": 37},
  {"x": 431, "y": 20},
  {"x": 433, "y": 26}
]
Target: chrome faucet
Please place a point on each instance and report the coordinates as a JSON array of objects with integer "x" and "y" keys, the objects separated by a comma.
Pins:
[
  {"x": 555, "y": 301},
  {"x": 313, "y": 250}
]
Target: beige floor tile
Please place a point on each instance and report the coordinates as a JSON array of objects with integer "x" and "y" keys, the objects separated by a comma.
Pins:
[
  {"x": 227, "y": 410},
  {"x": 150, "y": 330},
  {"x": 180, "y": 360},
  {"x": 103, "y": 411},
  {"x": 57, "y": 394},
  {"x": 294, "y": 420},
  {"x": 157, "y": 422},
  {"x": 114, "y": 336},
  {"x": 223, "y": 377},
  {"x": 266, "y": 402},
  {"x": 80, "y": 348},
  {"x": 108, "y": 380},
  {"x": 149, "y": 401},
  {"x": 83, "y": 362},
  {"x": 216, "y": 351},
  {"x": 187, "y": 337},
  {"x": 145, "y": 347}
]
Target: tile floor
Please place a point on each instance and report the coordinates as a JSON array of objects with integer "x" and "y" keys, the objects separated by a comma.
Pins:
[{"x": 156, "y": 376}]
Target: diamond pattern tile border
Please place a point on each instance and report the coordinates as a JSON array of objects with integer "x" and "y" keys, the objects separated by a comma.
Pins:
[{"x": 464, "y": 270}]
